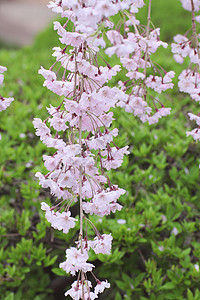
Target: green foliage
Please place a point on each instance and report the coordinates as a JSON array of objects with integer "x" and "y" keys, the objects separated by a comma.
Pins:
[{"x": 156, "y": 251}]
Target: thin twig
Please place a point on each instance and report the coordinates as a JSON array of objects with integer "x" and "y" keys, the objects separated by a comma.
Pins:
[{"x": 194, "y": 34}]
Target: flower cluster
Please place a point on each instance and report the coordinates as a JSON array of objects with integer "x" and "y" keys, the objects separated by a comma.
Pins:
[
  {"x": 81, "y": 290},
  {"x": 144, "y": 78},
  {"x": 4, "y": 102},
  {"x": 189, "y": 79},
  {"x": 78, "y": 128}
]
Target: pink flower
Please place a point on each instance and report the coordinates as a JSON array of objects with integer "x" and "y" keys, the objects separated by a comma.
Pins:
[
  {"x": 76, "y": 261},
  {"x": 114, "y": 157},
  {"x": 195, "y": 133},
  {"x": 56, "y": 6},
  {"x": 5, "y": 102},
  {"x": 115, "y": 37},
  {"x": 66, "y": 179},
  {"x": 60, "y": 221},
  {"x": 187, "y": 5},
  {"x": 47, "y": 74},
  {"x": 102, "y": 244},
  {"x": 100, "y": 287},
  {"x": 107, "y": 9},
  {"x": 104, "y": 202},
  {"x": 101, "y": 140},
  {"x": 2, "y": 70},
  {"x": 178, "y": 58},
  {"x": 76, "y": 291},
  {"x": 194, "y": 117}
]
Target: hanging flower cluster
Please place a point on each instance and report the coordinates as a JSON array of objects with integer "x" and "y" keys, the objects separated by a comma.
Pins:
[
  {"x": 4, "y": 102},
  {"x": 79, "y": 131},
  {"x": 144, "y": 77},
  {"x": 187, "y": 46},
  {"x": 79, "y": 127}
]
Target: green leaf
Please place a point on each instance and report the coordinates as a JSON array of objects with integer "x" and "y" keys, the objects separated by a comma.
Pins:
[
  {"x": 10, "y": 296},
  {"x": 168, "y": 286},
  {"x": 58, "y": 271},
  {"x": 117, "y": 296},
  {"x": 189, "y": 295}
]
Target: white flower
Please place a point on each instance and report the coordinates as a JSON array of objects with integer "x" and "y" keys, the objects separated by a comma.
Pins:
[
  {"x": 196, "y": 267},
  {"x": 174, "y": 231},
  {"x": 76, "y": 260},
  {"x": 121, "y": 221},
  {"x": 60, "y": 221},
  {"x": 102, "y": 244},
  {"x": 100, "y": 287}
]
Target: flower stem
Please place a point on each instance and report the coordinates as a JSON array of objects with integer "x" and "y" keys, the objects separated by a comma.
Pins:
[
  {"x": 80, "y": 185},
  {"x": 194, "y": 34},
  {"x": 148, "y": 29}
]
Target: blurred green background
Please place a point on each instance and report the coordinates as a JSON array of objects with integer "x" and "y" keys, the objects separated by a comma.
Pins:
[{"x": 156, "y": 252}]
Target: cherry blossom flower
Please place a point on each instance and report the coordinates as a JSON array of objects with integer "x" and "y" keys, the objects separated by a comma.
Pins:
[
  {"x": 186, "y": 46},
  {"x": 100, "y": 287},
  {"x": 187, "y": 5},
  {"x": 2, "y": 70},
  {"x": 77, "y": 289},
  {"x": 195, "y": 133},
  {"x": 76, "y": 260},
  {"x": 102, "y": 244},
  {"x": 194, "y": 117},
  {"x": 4, "y": 102},
  {"x": 60, "y": 221}
]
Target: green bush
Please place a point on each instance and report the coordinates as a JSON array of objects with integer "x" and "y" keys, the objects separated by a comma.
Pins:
[{"x": 156, "y": 251}]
